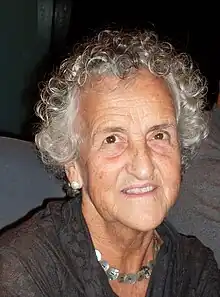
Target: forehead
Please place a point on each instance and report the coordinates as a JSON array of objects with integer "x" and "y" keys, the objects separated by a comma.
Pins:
[{"x": 143, "y": 95}]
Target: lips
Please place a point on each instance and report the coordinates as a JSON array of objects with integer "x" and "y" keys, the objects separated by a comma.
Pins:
[{"x": 139, "y": 190}]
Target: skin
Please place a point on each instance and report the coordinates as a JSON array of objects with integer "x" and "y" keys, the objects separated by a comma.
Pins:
[{"x": 129, "y": 140}]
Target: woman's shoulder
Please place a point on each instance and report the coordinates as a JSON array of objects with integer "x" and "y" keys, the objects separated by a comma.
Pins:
[
  {"x": 199, "y": 265},
  {"x": 194, "y": 250},
  {"x": 195, "y": 267},
  {"x": 29, "y": 251},
  {"x": 188, "y": 248},
  {"x": 39, "y": 224}
]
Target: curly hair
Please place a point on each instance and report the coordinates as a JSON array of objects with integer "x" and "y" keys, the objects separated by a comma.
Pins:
[{"x": 119, "y": 53}]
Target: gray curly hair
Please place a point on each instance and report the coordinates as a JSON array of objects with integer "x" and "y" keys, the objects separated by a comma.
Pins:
[{"x": 121, "y": 54}]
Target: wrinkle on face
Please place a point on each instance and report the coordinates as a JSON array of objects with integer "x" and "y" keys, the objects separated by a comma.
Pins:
[{"x": 134, "y": 109}]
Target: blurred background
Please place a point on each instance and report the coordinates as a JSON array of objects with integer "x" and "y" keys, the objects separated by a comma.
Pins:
[{"x": 37, "y": 34}]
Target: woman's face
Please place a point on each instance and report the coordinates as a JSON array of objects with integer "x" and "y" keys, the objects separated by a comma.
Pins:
[{"x": 129, "y": 163}]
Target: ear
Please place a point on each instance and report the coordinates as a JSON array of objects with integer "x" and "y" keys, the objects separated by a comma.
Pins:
[{"x": 73, "y": 173}]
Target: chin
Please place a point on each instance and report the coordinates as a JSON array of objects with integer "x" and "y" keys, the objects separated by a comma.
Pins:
[
  {"x": 144, "y": 225},
  {"x": 144, "y": 218}
]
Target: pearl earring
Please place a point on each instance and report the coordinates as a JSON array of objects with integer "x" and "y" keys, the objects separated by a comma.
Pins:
[{"x": 75, "y": 185}]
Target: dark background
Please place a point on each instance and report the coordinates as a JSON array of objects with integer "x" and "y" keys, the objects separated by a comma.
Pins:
[{"x": 37, "y": 34}]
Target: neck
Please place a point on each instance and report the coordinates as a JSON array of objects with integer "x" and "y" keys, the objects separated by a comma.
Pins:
[{"x": 125, "y": 249}]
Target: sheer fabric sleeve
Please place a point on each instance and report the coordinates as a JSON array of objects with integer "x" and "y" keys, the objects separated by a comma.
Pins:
[
  {"x": 18, "y": 279},
  {"x": 209, "y": 282}
]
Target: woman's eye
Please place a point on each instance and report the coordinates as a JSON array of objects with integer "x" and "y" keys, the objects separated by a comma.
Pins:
[
  {"x": 161, "y": 136},
  {"x": 110, "y": 139}
]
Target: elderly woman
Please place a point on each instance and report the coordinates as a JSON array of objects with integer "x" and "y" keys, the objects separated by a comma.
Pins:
[{"x": 122, "y": 117}]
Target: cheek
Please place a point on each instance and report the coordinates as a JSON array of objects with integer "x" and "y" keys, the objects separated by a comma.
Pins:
[
  {"x": 100, "y": 180},
  {"x": 169, "y": 175},
  {"x": 169, "y": 168},
  {"x": 172, "y": 179},
  {"x": 104, "y": 172}
]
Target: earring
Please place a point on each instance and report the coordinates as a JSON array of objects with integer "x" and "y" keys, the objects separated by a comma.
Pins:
[{"x": 75, "y": 185}]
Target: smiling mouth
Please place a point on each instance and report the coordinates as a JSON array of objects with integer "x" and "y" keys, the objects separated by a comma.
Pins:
[{"x": 138, "y": 190}]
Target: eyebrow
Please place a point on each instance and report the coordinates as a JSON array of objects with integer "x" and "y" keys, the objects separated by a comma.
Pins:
[
  {"x": 116, "y": 129},
  {"x": 163, "y": 126},
  {"x": 112, "y": 130}
]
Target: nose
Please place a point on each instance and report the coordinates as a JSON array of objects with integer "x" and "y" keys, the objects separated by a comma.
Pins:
[{"x": 140, "y": 163}]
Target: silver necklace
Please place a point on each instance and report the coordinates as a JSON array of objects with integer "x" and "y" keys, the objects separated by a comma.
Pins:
[{"x": 128, "y": 278}]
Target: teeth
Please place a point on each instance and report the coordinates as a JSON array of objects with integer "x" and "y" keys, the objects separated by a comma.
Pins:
[{"x": 139, "y": 190}]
